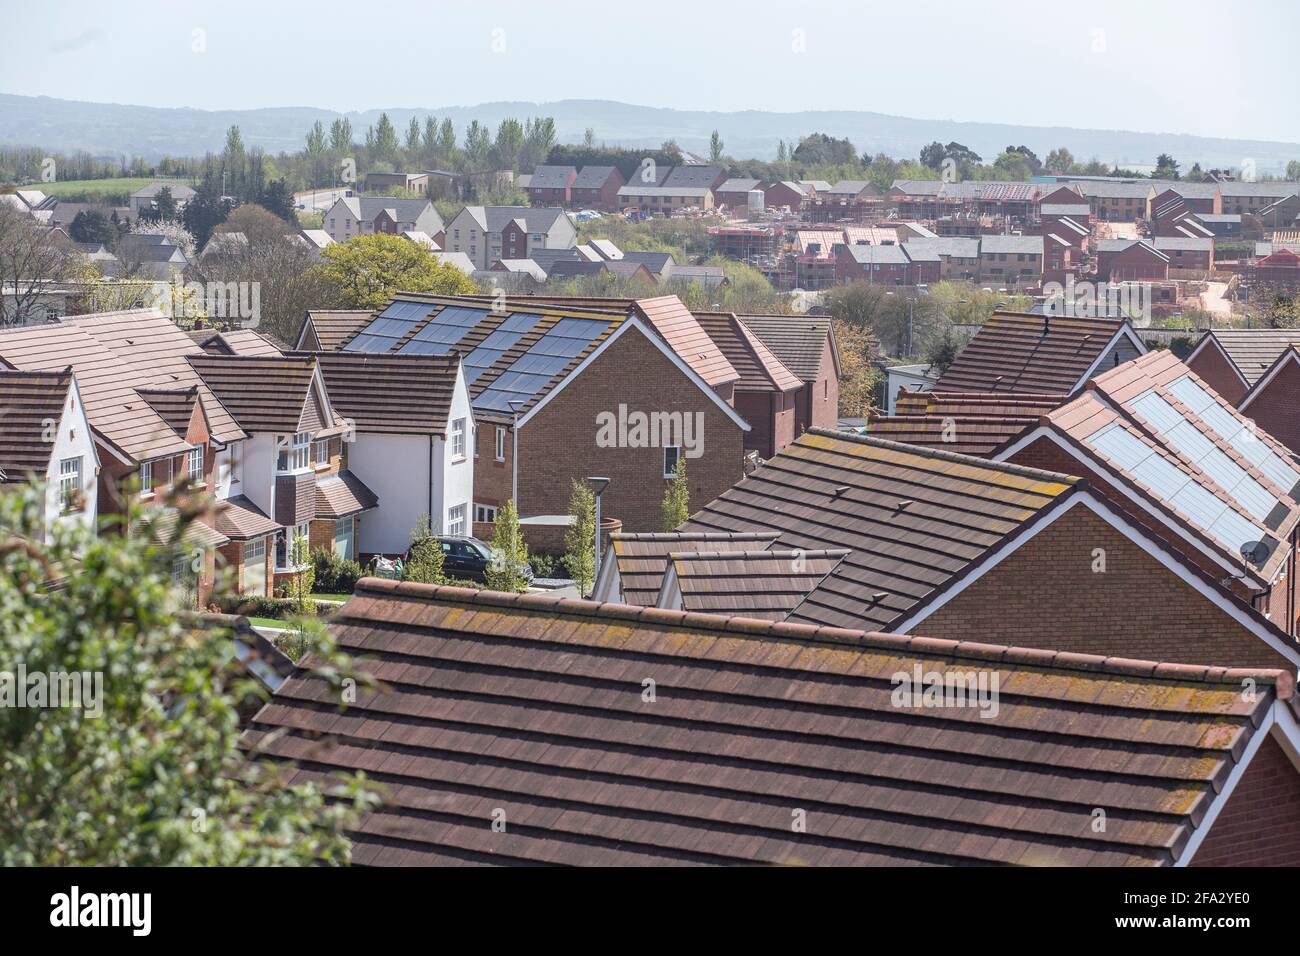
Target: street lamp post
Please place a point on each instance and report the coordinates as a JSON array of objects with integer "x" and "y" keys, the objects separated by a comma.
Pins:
[
  {"x": 598, "y": 485},
  {"x": 514, "y": 455}
]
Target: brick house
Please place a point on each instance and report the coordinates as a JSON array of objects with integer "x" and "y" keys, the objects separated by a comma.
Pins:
[
  {"x": 806, "y": 345},
  {"x": 1273, "y": 402},
  {"x": 606, "y": 387},
  {"x": 1152, "y": 439},
  {"x": 906, "y": 514},
  {"x": 1130, "y": 260},
  {"x": 792, "y": 194},
  {"x": 856, "y": 199},
  {"x": 780, "y": 715},
  {"x": 767, "y": 394},
  {"x": 45, "y": 436},
  {"x": 883, "y": 265},
  {"x": 1195, "y": 254},
  {"x": 154, "y": 422},
  {"x": 551, "y": 185},
  {"x": 1197, "y": 197},
  {"x": 1025, "y": 353},
  {"x": 1232, "y": 361},
  {"x": 283, "y": 406},
  {"x": 596, "y": 187},
  {"x": 489, "y": 233}
]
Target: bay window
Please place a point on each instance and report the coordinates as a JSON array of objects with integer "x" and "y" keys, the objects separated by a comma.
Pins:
[{"x": 292, "y": 452}]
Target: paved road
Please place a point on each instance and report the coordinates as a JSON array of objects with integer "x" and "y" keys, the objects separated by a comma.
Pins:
[{"x": 318, "y": 200}]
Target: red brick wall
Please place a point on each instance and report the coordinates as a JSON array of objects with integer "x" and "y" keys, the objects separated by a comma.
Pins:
[
  {"x": 559, "y": 444},
  {"x": 1276, "y": 408},
  {"x": 1260, "y": 824},
  {"x": 1047, "y": 595}
]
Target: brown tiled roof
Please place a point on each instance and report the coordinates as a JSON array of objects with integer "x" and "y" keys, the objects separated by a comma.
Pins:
[
  {"x": 390, "y": 394},
  {"x": 915, "y": 519},
  {"x": 174, "y": 406},
  {"x": 198, "y": 533},
  {"x": 797, "y": 340},
  {"x": 264, "y": 393},
  {"x": 1019, "y": 352},
  {"x": 968, "y": 423},
  {"x": 113, "y": 354},
  {"x": 343, "y": 494},
  {"x": 758, "y": 368},
  {"x": 532, "y": 707},
  {"x": 234, "y": 342},
  {"x": 761, "y": 584},
  {"x": 642, "y": 559},
  {"x": 1253, "y": 351},
  {"x": 28, "y": 400},
  {"x": 333, "y": 328},
  {"x": 679, "y": 328},
  {"x": 1225, "y": 490},
  {"x": 241, "y": 520}
]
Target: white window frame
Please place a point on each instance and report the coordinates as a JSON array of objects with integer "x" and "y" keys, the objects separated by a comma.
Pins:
[
  {"x": 289, "y": 535},
  {"x": 70, "y": 484},
  {"x": 456, "y": 518},
  {"x": 316, "y": 446},
  {"x": 146, "y": 478},
  {"x": 485, "y": 514},
  {"x": 194, "y": 457},
  {"x": 296, "y": 450},
  {"x": 458, "y": 439},
  {"x": 501, "y": 443},
  {"x": 671, "y": 472}
]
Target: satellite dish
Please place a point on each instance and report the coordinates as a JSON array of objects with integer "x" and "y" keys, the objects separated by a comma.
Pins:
[{"x": 1254, "y": 552}]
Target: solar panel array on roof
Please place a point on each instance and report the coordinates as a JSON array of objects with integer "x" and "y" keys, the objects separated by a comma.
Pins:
[
  {"x": 500, "y": 341},
  {"x": 1236, "y": 433},
  {"x": 388, "y": 327},
  {"x": 1174, "y": 486},
  {"x": 529, "y": 373},
  {"x": 444, "y": 330}
]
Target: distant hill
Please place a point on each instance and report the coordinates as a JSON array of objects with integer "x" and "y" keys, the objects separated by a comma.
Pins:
[{"x": 112, "y": 129}]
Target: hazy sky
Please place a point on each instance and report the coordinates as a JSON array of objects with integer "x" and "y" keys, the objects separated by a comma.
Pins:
[{"x": 1215, "y": 69}]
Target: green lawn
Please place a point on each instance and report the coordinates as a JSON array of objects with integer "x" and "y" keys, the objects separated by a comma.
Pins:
[
  {"x": 331, "y": 597},
  {"x": 266, "y": 622},
  {"x": 88, "y": 190}
]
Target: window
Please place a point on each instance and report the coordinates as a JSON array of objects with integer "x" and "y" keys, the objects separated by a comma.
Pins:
[
  {"x": 671, "y": 454},
  {"x": 194, "y": 465},
  {"x": 456, "y": 519},
  {"x": 70, "y": 484},
  {"x": 285, "y": 541},
  {"x": 345, "y": 537},
  {"x": 185, "y": 579},
  {"x": 235, "y": 462},
  {"x": 321, "y": 451},
  {"x": 292, "y": 452},
  {"x": 255, "y": 567},
  {"x": 485, "y": 514},
  {"x": 154, "y": 475},
  {"x": 501, "y": 443},
  {"x": 458, "y": 438}
]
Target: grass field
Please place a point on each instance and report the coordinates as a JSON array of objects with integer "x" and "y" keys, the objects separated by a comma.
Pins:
[{"x": 89, "y": 190}]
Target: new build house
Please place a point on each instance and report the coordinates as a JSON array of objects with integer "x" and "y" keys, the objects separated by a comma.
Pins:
[
  {"x": 45, "y": 437},
  {"x": 489, "y": 233},
  {"x": 558, "y": 392}
]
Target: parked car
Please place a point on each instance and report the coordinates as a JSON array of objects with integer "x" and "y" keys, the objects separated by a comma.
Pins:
[{"x": 469, "y": 558}]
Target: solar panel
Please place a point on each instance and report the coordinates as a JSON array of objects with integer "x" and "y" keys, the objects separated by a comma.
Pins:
[
  {"x": 389, "y": 326},
  {"x": 549, "y": 356},
  {"x": 1236, "y": 433},
  {"x": 444, "y": 330}
]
